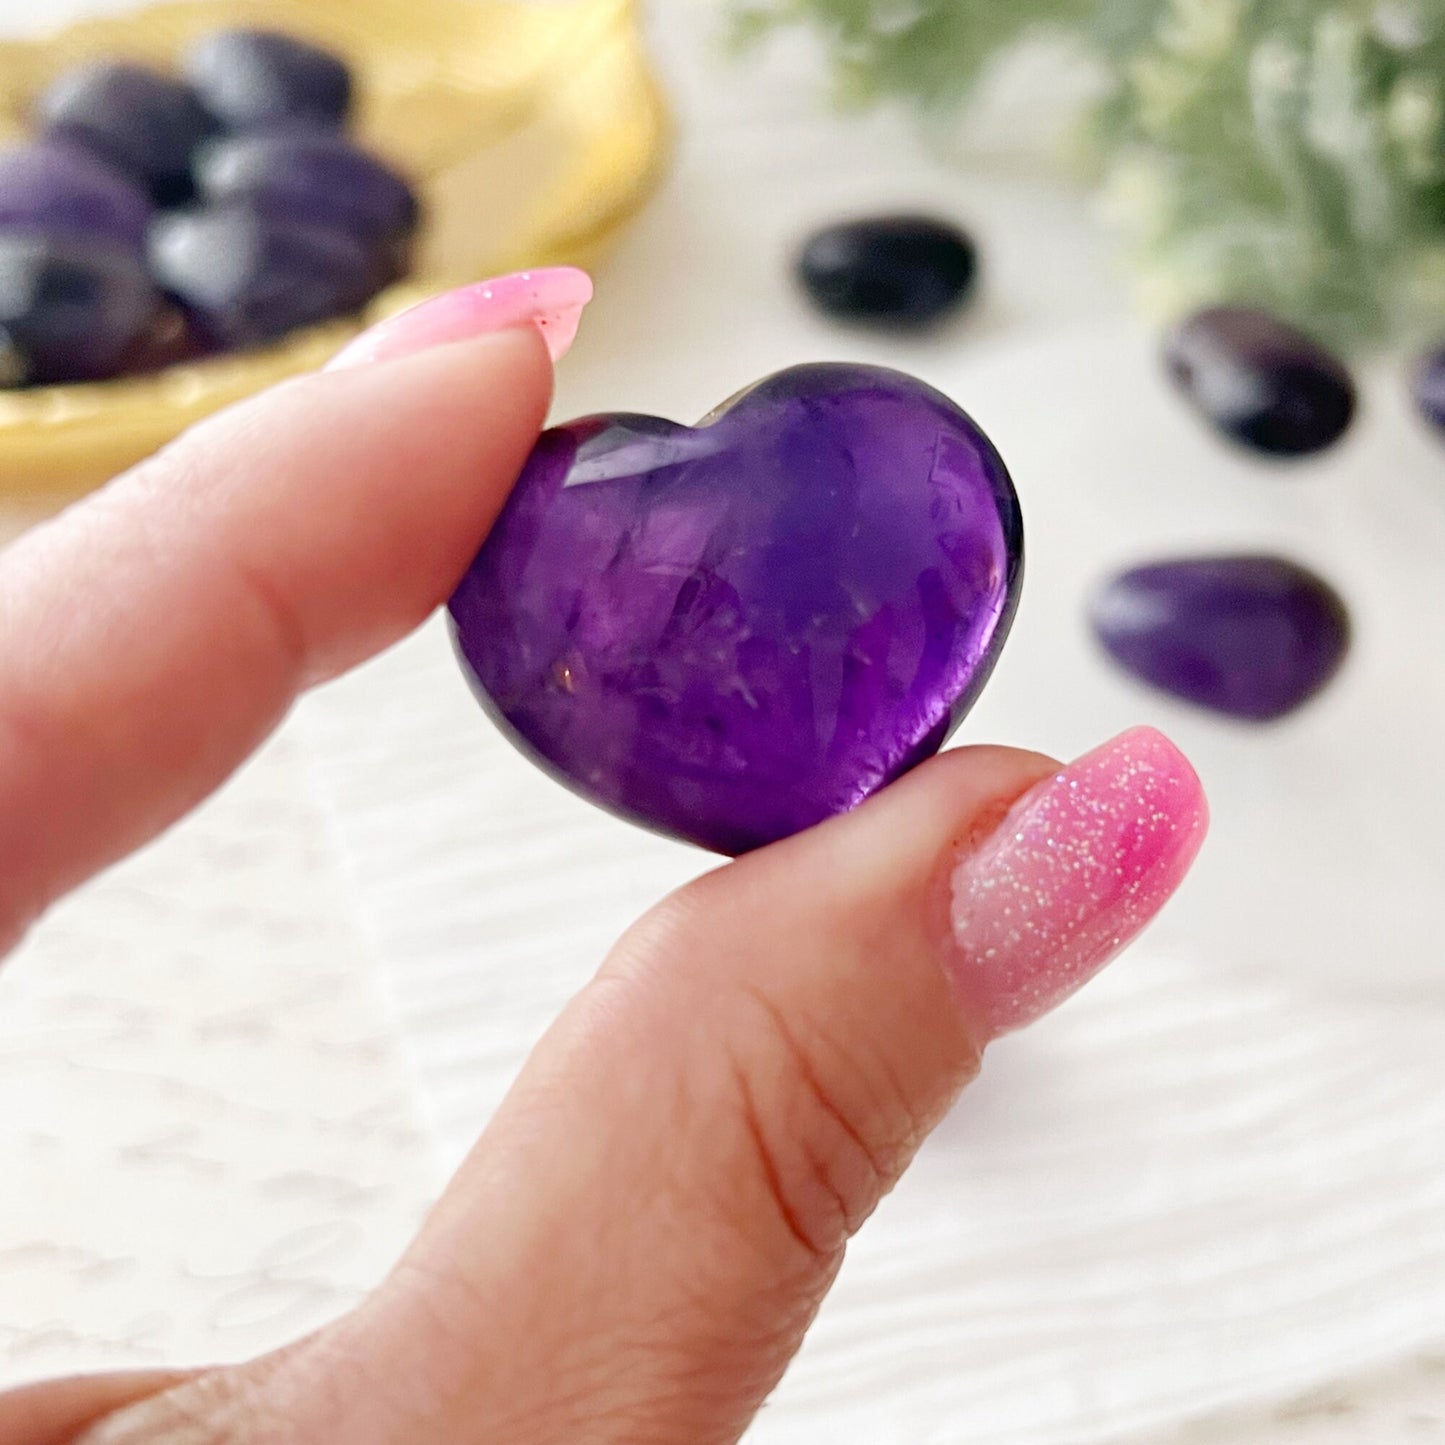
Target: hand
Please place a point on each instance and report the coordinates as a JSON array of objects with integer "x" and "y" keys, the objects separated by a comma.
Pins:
[{"x": 643, "y": 1234}]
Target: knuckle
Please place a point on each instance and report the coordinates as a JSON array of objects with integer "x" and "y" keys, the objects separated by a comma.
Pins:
[
  {"x": 830, "y": 1136},
  {"x": 277, "y": 615},
  {"x": 24, "y": 895},
  {"x": 199, "y": 470},
  {"x": 820, "y": 1119}
]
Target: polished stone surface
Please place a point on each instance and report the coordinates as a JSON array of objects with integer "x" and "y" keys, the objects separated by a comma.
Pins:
[
  {"x": 731, "y": 632},
  {"x": 311, "y": 177},
  {"x": 1261, "y": 382},
  {"x": 902, "y": 271},
  {"x": 1430, "y": 388},
  {"x": 244, "y": 278},
  {"x": 143, "y": 123},
  {"x": 1254, "y": 637},
  {"x": 249, "y": 78},
  {"x": 70, "y": 309},
  {"x": 51, "y": 188}
]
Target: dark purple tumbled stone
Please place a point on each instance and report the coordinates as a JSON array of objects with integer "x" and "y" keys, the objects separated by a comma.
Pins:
[
  {"x": 69, "y": 309},
  {"x": 244, "y": 278},
  {"x": 730, "y": 632},
  {"x": 143, "y": 123},
  {"x": 1260, "y": 381},
  {"x": 172, "y": 339},
  {"x": 313, "y": 177},
  {"x": 251, "y": 78},
  {"x": 1254, "y": 637},
  {"x": 53, "y": 189},
  {"x": 1430, "y": 388}
]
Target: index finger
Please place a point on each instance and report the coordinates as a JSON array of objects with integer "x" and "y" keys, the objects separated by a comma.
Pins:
[
  {"x": 56, "y": 1411},
  {"x": 154, "y": 634}
]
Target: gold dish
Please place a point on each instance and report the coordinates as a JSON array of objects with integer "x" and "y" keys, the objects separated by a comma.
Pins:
[{"x": 533, "y": 132}]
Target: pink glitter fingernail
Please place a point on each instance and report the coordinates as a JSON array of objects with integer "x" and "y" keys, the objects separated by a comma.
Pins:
[
  {"x": 551, "y": 299},
  {"x": 1072, "y": 876}
]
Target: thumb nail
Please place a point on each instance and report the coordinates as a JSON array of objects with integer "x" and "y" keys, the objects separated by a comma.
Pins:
[{"x": 1076, "y": 871}]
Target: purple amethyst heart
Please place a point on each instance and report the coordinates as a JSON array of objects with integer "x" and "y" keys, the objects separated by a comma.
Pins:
[{"x": 730, "y": 632}]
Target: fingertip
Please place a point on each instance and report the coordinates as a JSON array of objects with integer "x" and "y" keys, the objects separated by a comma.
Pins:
[
  {"x": 908, "y": 831},
  {"x": 548, "y": 301}
]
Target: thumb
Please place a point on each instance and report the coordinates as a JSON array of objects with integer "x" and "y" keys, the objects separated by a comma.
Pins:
[
  {"x": 643, "y": 1235},
  {"x": 638, "y": 1243}
]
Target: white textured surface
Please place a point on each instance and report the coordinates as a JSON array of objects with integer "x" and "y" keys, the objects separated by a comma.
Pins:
[{"x": 207, "y": 1142}]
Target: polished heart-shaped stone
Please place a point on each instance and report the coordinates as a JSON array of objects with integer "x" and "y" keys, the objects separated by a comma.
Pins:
[{"x": 732, "y": 631}]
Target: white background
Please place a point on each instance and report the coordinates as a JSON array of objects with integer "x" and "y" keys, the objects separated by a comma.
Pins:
[{"x": 1212, "y": 1183}]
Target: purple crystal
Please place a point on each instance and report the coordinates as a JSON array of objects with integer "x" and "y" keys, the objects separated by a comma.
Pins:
[
  {"x": 902, "y": 271},
  {"x": 313, "y": 177},
  {"x": 731, "y": 632},
  {"x": 1260, "y": 381},
  {"x": 69, "y": 309},
  {"x": 172, "y": 339},
  {"x": 250, "y": 78},
  {"x": 1430, "y": 388},
  {"x": 54, "y": 189},
  {"x": 245, "y": 279},
  {"x": 143, "y": 123},
  {"x": 1254, "y": 637}
]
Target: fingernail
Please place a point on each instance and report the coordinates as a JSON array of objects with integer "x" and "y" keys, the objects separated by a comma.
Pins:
[
  {"x": 1075, "y": 872},
  {"x": 551, "y": 299}
]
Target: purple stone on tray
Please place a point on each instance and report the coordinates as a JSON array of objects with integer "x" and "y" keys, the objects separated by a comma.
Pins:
[
  {"x": 53, "y": 189},
  {"x": 69, "y": 309},
  {"x": 313, "y": 177},
  {"x": 731, "y": 632},
  {"x": 143, "y": 123},
  {"x": 172, "y": 339},
  {"x": 256, "y": 77},
  {"x": 245, "y": 279},
  {"x": 1253, "y": 637},
  {"x": 1430, "y": 388}
]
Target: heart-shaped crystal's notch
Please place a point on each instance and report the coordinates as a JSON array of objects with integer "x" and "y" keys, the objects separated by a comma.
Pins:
[{"x": 625, "y": 445}]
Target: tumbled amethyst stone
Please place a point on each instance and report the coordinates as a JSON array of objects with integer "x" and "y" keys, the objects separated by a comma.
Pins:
[
  {"x": 69, "y": 309},
  {"x": 1260, "y": 381},
  {"x": 244, "y": 279},
  {"x": 1254, "y": 637},
  {"x": 50, "y": 188},
  {"x": 1430, "y": 388},
  {"x": 312, "y": 177},
  {"x": 249, "y": 78},
  {"x": 143, "y": 123},
  {"x": 731, "y": 632}
]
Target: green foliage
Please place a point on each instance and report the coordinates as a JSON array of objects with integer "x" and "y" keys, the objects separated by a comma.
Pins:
[
  {"x": 932, "y": 50},
  {"x": 1284, "y": 152}
]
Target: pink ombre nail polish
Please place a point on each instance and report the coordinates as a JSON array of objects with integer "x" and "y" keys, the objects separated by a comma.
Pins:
[
  {"x": 551, "y": 299},
  {"x": 1074, "y": 873}
]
